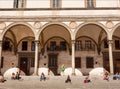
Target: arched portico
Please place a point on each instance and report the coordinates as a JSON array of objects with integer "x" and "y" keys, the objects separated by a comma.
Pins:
[
  {"x": 116, "y": 49},
  {"x": 14, "y": 24},
  {"x": 21, "y": 36},
  {"x": 52, "y": 23},
  {"x": 55, "y": 39},
  {"x": 97, "y": 32},
  {"x": 95, "y": 23}
]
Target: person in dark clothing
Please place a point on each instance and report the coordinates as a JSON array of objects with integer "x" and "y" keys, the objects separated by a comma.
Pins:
[
  {"x": 68, "y": 80},
  {"x": 17, "y": 76},
  {"x": 87, "y": 80},
  {"x": 42, "y": 77}
]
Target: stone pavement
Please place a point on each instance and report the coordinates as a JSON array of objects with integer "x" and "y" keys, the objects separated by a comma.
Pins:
[{"x": 58, "y": 82}]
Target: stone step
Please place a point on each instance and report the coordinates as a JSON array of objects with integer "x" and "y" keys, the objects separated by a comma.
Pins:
[{"x": 58, "y": 82}]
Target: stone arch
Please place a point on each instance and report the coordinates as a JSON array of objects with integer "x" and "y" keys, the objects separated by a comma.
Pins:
[
  {"x": 87, "y": 23},
  {"x": 24, "y": 38},
  {"x": 99, "y": 25},
  {"x": 56, "y": 23},
  {"x": 55, "y": 37},
  {"x": 87, "y": 37},
  {"x": 14, "y": 24},
  {"x": 114, "y": 28}
]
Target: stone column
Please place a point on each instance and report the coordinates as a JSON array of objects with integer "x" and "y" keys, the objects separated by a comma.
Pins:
[
  {"x": 118, "y": 4},
  {"x": 110, "y": 57},
  {"x": 0, "y": 54},
  {"x": 36, "y": 57},
  {"x": 73, "y": 57}
]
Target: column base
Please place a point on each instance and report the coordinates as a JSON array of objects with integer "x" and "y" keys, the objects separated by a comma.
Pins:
[
  {"x": 111, "y": 73},
  {"x": 34, "y": 74},
  {"x": 73, "y": 74}
]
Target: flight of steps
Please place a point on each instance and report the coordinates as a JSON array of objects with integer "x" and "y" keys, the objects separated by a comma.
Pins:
[{"x": 58, "y": 82}]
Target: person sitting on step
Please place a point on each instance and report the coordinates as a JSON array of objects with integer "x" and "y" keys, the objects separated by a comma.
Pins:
[
  {"x": 42, "y": 77},
  {"x": 68, "y": 80}
]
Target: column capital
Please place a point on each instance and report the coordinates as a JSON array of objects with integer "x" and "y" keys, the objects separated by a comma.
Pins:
[
  {"x": 73, "y": 41},
  {"x": 37, "y": 41},
  {"x": 1, "y": 42},
  {"x": 110, "y": 41}
]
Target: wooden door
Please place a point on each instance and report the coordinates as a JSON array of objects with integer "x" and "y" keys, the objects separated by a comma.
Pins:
[
  {"x": 24, "y": 65},
  {"x": 53, "y": 63}
]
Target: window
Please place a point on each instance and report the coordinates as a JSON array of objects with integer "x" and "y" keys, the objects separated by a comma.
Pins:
[
  {"x": 55, "y": 3},
  {"x": 19, "y": 3},
  {"x": 88, "y": 44},
  {"x": 52, "y": 45},
  {"x": 78, "y": 45},
  {"x": 24, "y": 45},
  {"x": 105, "y": 44},
  {"x": 78, "y": 62},
  {"x": 33, "y": 46},
  {"x": 15, "y": 3},
  {"x": 63, "y": 45},
  {"x": 90, "y": 3},
  {"x": 89, "y": 62},
  {"x": 6, "y": 45},
  {"x": 117, "y": 44}
]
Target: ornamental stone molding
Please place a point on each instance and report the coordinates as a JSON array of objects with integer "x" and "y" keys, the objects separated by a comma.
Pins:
[
  {"x": 109, "y": 24},
  {"x": 110, "y": 41},
  {"x": 2, "y": 25},
  {"x": 73, "y": 25},
  {"x": 37, "y": 25}
]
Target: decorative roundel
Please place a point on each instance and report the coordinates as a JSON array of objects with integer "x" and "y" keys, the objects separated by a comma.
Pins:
[
  {"x": 2, "y": 25},
  {"x": 109, "y": 24},
  {"x": 73, "y": 25},
  {"x": 37, "y": 25}
]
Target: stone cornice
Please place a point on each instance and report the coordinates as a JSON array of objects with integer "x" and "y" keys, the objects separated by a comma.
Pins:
[
  {"x": 59, "y": 18},
  {"x": 36, "y": 9}
]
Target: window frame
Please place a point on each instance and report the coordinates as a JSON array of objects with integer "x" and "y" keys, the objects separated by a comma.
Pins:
[
  {"x": 77, "y": 62},
  {"x": 117, "y": 44},
  {"x": 19, "y": 3},
  {"x": 89, "y": 62},
  {"x": 63, "y": 44},
  {"x": 23, "y": 44},
  {"x": 32, "y": 46},
  {"x": 88, "y": 44},
  {"x": 90, "y": 3},
  {"x": 53, "y": 45},
  {"x": 59, "y": 4},
  {"x": 78, "y": 45}
]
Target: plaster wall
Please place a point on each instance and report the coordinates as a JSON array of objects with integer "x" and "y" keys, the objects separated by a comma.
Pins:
[
  {"x": 73, "y": 4},
  {"x": 64, "y": 4},
  {"x": 38, "y": 4},
  {"x": 10, "y": 60},
  {"x": 6, "y": 3},
  {"x": 107, "y": 3}
]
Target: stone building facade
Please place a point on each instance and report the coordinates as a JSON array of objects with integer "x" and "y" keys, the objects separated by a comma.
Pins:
[{"x": 81, "y": 34}]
